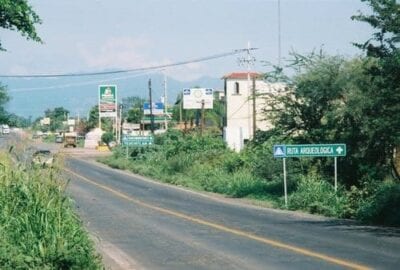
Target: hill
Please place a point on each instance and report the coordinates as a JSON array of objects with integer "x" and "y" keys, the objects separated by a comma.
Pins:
[{"x": 31, "y": 97}]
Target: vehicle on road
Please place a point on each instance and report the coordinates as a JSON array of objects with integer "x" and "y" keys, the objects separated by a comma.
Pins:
[
  {"x": 59, "y": 139},
  {"x": 70, "y": 139},
  {"x": 5, "y": 129},
  {"x": 42, "y": 158}
]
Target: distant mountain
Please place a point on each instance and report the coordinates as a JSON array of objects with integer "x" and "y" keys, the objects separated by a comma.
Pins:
[{"x": 31, "y": 97}]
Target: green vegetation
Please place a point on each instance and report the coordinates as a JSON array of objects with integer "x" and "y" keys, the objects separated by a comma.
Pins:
[
  {"x": 38, "y": 227},
  {"x": 326, "y": 99},
  {"x": 18, "y": 15}
]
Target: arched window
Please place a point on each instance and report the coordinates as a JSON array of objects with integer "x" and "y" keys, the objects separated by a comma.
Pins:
[{"x": 237, "y": 90}]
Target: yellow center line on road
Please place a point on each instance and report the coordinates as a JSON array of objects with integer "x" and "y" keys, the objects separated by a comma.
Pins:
[{"x": 219, "y": 227}]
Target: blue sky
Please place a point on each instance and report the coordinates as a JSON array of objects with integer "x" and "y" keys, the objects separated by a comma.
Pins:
[{"x": 95, "y": 35}]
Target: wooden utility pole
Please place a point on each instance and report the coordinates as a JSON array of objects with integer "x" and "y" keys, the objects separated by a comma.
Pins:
[
  {"x": 254, "y": 107},
  {"x": 151, "y": 109},
  {"x": 202, "y": 124}
]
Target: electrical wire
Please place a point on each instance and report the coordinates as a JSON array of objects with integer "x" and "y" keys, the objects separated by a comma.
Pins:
[
  {"x": 29, "y": 89},
  {"x": 196, "y": 60}
]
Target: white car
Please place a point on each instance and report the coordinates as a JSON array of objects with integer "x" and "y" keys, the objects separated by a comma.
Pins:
[{"x": 5, "y": 129}]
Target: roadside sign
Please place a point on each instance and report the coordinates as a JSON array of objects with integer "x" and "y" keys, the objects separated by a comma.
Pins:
[
  {"x": 310, "y": 150},
  {"x": 279, "y": 151},
  {"x": 194, "y": 97},
  {"x": 108, "y": 100},
  {"x": 137, "y": 140},
  {"x": 157, "y": 108}
]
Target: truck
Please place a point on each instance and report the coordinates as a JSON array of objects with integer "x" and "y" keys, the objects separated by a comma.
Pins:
[
  {"x": 70, "y": 139},
  {"x": 5, "y": 129}
]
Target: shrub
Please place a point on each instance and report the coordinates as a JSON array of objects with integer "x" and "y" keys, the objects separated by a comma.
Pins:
[
  {"x": 317, "y": 196},
  {"x": 382, "y": 207}
]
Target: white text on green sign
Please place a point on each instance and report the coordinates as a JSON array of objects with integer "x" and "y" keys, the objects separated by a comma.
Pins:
[{"x": 315, "y": 150}]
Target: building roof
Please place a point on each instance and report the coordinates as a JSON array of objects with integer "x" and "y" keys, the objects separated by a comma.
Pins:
[{"x": 242, "y": 75}]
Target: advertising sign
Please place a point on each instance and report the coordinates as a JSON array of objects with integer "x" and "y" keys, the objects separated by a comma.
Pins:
[
  {"x": 194, "y": 97},
  {"x": 108, "y": 100},
  {"x": 158, "y": 108}
]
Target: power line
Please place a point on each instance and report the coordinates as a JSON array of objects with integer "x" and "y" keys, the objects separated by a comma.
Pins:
[
  {"x": 68, "y": 85},
  {"x": 196, "y": 60}
]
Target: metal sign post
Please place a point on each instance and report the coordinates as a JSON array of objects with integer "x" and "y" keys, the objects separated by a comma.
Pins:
[
  {"x": 285, "y": 182},
  {"x": 335, "y": 174},
  {"x": 309, "y": 150}
]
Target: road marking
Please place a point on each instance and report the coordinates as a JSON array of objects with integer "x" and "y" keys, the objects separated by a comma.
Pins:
[{"x": 219, "y": 227}]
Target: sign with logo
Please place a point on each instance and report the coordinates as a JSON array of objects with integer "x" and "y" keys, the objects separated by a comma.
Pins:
[
  {"x": 193, "y": 98},
  {"x": 108, "y": 100},
  {"x": 157, "y": 108},
  {"x": 310, "y": 150},
  {"x": 137, "y": 140}
]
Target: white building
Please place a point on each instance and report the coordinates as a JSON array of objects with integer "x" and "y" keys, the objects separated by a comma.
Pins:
[{"x": 245, "y": 99}]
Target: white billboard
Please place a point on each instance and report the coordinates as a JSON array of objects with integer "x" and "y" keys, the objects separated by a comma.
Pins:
[{"x": 194, "y": 97}]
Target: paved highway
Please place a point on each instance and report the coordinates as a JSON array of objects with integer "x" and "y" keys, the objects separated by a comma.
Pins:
[{"x": 142, "y": 224}]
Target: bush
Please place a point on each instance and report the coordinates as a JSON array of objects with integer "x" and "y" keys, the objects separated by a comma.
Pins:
[
  {"x": 317, "y": 196},
  {"x": 382, "y": 207}
]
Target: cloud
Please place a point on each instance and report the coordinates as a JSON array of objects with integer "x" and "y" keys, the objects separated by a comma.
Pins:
[
  {"x": 130, "y": 53},
  {"x": 116, "y": 52}
]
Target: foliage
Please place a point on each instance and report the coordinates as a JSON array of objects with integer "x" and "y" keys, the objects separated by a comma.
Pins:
[
  {"x": 382, "y": 206},
  {"x": 317, "y": 196},
  {"x": 57, "y": 116},
  {"x": 133, "y": 109},
  {"x": 107, "y": 137},
  {"x": 18, "y": 15},
  {"x": 4, "y": 98},
  {"x": 38, "y": 227},
  {"x": 386, "y": 20}
]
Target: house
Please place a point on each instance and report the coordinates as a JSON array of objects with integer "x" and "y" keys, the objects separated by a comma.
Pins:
[{"x": 245, "y": 99}]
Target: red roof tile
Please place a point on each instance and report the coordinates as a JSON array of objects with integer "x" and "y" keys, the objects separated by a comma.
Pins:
[{"x": 242, "y": 75}]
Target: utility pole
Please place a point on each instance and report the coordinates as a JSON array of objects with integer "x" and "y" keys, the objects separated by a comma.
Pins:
[
  {"x": 151, "y": 109},
  {"x": 165, "y": 102},
  {"x": 279, "y": 33},
  {"x": 202, "y": 124},
  {"x": 248, "y": 61},
  {"x": 120, "y": 124},
  {"x": 254, "y": 107}
]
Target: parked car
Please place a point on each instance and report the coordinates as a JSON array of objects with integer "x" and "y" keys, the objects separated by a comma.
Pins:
[
  {"x": 42, "y": 158},
  {"x": 59, "y": 139}
]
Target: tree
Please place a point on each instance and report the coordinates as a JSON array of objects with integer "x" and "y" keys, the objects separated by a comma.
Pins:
[
  {"x": 4, "y": 98},
  {"x": 381, "y": 113},
  {"x": 57, "y": 117},
  {"x": 386, "y": 20},
  {"x": 133, "y": 109},
  {"x": 18, "y": 15}
]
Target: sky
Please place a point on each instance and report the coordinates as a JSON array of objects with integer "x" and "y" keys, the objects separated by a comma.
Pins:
[{"x": 97, "y": 35}]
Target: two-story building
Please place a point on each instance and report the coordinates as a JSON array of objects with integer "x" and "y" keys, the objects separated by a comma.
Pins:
[{"x": 245, "y": 101}]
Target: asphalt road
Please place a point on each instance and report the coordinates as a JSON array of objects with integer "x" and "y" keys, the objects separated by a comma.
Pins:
[{"x": 142, "y": 224}]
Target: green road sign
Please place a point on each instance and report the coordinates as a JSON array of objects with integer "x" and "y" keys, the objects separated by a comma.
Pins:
[
  {"x": 315, "y": 150},
  {"x": 137, "y": 140}
]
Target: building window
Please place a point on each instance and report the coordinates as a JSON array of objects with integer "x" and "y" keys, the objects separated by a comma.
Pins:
[{"x": 237, "y": 90}]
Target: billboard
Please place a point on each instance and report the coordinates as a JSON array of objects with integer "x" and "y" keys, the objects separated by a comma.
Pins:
[
  {"x": 194, "y": 97},
  {"x": 157, "y": 108},
  {"x": 108, "y": 100}
]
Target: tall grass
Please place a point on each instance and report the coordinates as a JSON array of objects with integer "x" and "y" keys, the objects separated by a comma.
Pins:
[{"x": 38, "y": 227}]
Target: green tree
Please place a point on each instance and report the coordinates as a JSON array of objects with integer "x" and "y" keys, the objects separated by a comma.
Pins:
[
  {"x": 4, "y": 98},
  {"x": 18, "y": 15},
  {"x": 57, "y": 117},
  {"x": 133, "y": 109},
  {"x": 380, "y": 107}
]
